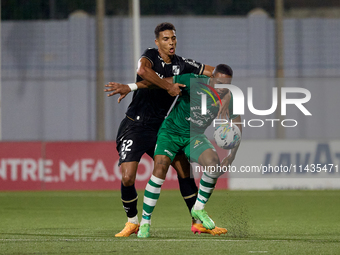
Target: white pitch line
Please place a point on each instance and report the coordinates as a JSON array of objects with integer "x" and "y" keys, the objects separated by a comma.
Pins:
[
  {"x": 132, "y": 240},
  {"x": 61, "y": 194}
]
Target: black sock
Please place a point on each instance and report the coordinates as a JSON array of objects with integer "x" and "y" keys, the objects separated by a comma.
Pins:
[
  {"x": 188, "y": 190},
  {"x": 129, "y": 199}
]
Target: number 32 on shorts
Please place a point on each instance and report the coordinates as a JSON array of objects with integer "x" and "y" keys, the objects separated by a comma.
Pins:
[{"x": 126, "y": 147}]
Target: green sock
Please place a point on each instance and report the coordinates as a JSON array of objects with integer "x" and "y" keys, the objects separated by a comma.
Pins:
[
  {"x": 207, "y": 186},
  {"x": 151, "y": 195}
]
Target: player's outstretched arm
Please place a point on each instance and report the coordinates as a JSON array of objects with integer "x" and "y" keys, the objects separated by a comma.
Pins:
[
  {"x": 124, "y": 89},
  {"x": 117, "y": 88},
  {"x": 208, "y": 70},
  {"x": 147, "y": 73}
]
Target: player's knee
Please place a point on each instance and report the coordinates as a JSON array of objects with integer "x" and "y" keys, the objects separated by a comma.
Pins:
[
  {"x": 128, "y": 179},
  {"x": 212, "y": 160},
  {"x": 160, "y": 172},
  {"x": 161, "y": 166}
]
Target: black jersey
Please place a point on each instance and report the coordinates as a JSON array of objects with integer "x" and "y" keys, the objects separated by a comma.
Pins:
[{"x": 150, "y": 106}]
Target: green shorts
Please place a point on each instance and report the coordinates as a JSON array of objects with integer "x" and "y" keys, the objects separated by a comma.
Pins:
[{"x": 169, "y": 145}]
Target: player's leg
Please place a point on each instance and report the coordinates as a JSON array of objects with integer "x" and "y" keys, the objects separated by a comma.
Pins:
[
  {"x": 131, "y": 146},
  {"x": 128, "y": 191},
  {"x": 203, "y": 152},
  {"x": 129, "y": 198},
  {"x": 206, "y": 187},
  {"x": 186, "y": 182},
  {"x": 208, "y": 180},
  {"x": 152, "y": 192},
  {"x": 165, "y": 151}
]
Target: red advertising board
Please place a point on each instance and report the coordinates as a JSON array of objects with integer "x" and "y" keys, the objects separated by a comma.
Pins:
[{"x": 71, "y": 166}]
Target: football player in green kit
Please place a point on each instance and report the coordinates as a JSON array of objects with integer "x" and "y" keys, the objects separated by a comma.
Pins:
[{"x": 183, "y": 129}]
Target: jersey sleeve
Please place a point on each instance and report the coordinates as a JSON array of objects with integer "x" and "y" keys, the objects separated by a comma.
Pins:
[
  {"x": 191, "y": 66},
  {"x": 150, "y": 54},
  {"x": 183, "y": 78}
]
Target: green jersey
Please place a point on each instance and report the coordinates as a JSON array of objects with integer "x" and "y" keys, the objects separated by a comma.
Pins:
[{"x": 186, "y": 117}]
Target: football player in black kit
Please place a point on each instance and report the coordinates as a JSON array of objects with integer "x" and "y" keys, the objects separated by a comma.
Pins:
[{"x": 137, "y": 133}]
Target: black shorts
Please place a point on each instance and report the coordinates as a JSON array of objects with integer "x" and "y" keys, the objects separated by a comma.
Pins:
[{"x": 133, "y": 140}]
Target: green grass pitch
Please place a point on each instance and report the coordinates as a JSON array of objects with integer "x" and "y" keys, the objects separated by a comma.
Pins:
[{"x": 258, "y": 222}]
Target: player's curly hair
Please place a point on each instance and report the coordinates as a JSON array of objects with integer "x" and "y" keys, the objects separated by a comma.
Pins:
[
  {"x": 162, "y": 27},
  {"x": 225, "y": 69}
]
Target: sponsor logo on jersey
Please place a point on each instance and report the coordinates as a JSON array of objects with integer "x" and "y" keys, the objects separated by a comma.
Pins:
[
  {"x": 196, "y": 122},
  {"x": 197, "y": 141},
  {"x": 197, "y": 115}
]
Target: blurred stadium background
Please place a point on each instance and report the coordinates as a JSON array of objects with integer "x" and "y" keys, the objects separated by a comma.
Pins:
[
  {"x": 55, "y": 55},
  {"x": 57, "y": 128}
]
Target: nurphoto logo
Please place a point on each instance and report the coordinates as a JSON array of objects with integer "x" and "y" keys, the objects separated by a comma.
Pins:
[{"x": 238, "y": 105}]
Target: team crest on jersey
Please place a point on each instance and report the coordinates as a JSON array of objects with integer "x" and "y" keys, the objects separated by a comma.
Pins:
[{"x": 175, "y": 69}]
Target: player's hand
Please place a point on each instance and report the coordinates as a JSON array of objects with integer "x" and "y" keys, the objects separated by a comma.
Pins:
[
  {"x": 175, "y": 89},
  {"x": 227, "y": 161},
  {"x": 117, "y": 88},
  {"x": 223, "y": 112}
]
